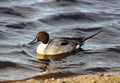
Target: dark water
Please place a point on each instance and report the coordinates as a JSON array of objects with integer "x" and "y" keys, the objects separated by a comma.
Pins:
[{"x": 20, "y": 20}]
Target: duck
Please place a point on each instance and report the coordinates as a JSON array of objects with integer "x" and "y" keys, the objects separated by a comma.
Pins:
[{"x": 57, "y": 46}]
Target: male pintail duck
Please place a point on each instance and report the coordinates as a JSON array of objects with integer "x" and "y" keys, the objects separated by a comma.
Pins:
[{"x": 59, "y": 45}]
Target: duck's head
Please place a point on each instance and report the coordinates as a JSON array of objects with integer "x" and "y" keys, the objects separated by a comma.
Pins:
[{"x": 42, "y": 37}]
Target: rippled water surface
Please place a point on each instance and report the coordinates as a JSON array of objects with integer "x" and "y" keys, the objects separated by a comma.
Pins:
[{"x": 20, "y": 20}]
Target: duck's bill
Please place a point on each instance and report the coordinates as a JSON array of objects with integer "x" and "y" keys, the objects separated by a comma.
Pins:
[{"x": 33, "y": 41}]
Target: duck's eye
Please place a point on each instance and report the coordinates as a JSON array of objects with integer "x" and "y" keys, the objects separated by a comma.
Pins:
[{"x": 64, "y": 43}]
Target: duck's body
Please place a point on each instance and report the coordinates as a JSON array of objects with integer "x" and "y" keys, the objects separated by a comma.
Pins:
[{"x": 58, "y": 45}]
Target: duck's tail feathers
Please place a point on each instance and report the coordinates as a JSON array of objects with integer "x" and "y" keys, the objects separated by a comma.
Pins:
[{"x": 91, "y": 36}]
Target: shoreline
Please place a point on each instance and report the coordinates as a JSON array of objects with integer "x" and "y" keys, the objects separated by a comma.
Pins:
[{"x": 78, "y": 79}]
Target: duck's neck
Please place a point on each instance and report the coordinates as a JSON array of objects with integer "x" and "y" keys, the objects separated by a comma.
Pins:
[{"x": 41, "y": 48}]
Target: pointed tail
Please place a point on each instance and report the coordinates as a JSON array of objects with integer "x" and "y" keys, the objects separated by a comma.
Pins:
[{"x": 90, "y": 36}]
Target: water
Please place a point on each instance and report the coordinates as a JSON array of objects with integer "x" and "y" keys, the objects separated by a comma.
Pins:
[{"x": 21, "y": 20}]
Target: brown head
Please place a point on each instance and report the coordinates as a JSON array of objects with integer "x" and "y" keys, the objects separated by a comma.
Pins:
[{"x": 41, "y": 36}]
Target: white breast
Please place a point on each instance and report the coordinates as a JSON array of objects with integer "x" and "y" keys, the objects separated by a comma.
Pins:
[{"x": 41, "y": 48}]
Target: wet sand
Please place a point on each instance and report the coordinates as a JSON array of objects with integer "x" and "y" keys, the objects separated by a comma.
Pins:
[{"x": 80, "y": 79}]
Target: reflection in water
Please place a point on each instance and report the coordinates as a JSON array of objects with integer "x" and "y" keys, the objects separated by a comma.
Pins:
[
  {"x": 44, "y": 60},
  {"x": 43, "y": 64}
]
